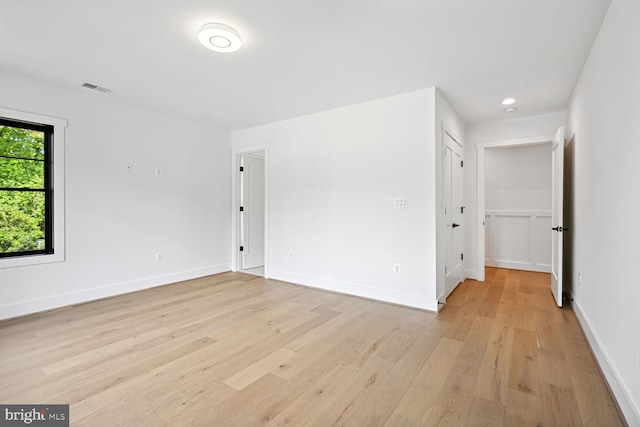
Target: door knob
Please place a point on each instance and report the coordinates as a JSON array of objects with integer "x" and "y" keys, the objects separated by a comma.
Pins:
[
  {"x": 454, "y": 225},
  {"x": 560, "y": 229}
]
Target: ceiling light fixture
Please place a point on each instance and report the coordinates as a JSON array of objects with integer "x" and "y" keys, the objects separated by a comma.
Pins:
[
  {"x": 510, "y": 110},
  {"x": 96, "y": 87},
  {"x": 219, "y": 37},
  {"x": 508, "y": 101}
]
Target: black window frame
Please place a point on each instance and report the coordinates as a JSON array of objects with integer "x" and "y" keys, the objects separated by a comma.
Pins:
[{"x": 48, "y": 131}]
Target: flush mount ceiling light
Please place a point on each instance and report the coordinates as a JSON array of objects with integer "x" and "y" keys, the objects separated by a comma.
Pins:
[
  {"x": 219, "y": 37},
  {"x": 96, "y": 87},
  {"x": 508, "y": 101}
]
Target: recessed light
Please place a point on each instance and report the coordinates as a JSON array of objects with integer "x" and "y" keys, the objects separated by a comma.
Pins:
[
  {"x": 508, "y": 101},
  {"x": 219, "y": 37},
  {"x": 510, "y": 110}
]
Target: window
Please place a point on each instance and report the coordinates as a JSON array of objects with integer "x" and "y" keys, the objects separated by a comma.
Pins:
[
  {"x": 31, "y": 188},
  {"x": 25, "y": 188}
]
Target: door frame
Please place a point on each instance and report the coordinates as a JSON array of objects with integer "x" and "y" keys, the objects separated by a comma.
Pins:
[
  {"x": 480, "y": 189},
  {"x": 440, "y": 225},
  {"x": 236, "y": 153},
  {"x": 557, "y": 214},
  {"x": 248, "y": 179},
  {"x": 457, "y": 148}
]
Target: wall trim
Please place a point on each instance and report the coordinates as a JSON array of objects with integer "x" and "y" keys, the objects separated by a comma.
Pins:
[
  {"x": 629, "y": 409},
  {"x": 471, "y": 274},
  {"x": 516, "y": 142},
  {"x": 62, "y": 300},
  {"x": 518, "y": 265},
  {"x": 533, "y": 259},
  {"x": 384, "y": 295}
]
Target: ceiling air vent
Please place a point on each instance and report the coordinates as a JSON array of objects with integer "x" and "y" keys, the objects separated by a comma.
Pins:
[{"x": 96, "y": 87}]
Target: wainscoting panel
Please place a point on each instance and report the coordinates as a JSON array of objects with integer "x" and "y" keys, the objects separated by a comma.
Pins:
[{"x": 518, "y": 239}]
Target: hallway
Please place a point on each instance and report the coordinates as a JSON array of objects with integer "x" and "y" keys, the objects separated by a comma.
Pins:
[{"x": 525, "y": 361}]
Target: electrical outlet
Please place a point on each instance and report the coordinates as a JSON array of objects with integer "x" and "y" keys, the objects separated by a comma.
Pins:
[
  {"x": 158, "y": 171},
  {"x": 290, "y": 254},
  {"x": 579, "y": 280},
  {"x": 129, "y": 168},
  {"x": 396, "y": 267},
  {"x": 159, "y": 256}
]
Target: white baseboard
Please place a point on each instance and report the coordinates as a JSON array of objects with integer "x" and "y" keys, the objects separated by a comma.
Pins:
[
  {"x": 401, "y": 298},
  {"x": 48, "y": 303},
  {"x": 515, "y": 265},
  {"x": 628, "y": 407},
  {"x": 471, "y": 274}
]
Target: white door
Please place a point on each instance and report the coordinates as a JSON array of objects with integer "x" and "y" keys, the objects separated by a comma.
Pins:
[
  {"x": 252, "y": 212},
  {"x": 453, "y": 213},
  {"x": 557, "y": 161}
]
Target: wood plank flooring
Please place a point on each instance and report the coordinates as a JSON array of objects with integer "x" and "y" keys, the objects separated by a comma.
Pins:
[{"x": 235, "y": 349}]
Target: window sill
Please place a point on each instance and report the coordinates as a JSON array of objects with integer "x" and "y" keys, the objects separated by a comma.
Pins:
[{"x": 30, "y": 260}]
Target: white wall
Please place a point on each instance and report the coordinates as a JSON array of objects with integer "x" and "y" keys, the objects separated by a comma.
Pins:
[
  {"x": 604, "y": 118},
  {"x": 511, "y": 131},
  {"x": 333, "y": 179},
  {"x": 518, "y": 178},
  {"x": 115, "y": 223}
]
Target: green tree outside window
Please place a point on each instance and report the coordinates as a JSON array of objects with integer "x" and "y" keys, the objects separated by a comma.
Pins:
[{"x": 22, "y": 190}]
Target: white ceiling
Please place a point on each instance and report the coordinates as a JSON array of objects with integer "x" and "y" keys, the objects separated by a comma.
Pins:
[{"x": 304, "y": 56}]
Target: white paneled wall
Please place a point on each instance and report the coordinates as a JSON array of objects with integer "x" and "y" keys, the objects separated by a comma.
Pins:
[{"x": 518, "y": 239}]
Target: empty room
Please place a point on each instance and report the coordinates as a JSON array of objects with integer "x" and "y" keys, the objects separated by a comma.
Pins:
[{"x": 354, "y": 213}]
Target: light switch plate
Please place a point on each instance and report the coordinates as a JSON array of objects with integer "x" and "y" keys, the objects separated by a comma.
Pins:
[{"x": 400, "y": 202}]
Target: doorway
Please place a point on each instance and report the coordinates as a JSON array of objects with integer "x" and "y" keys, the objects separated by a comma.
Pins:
[
  {"x": 557, "y": 142},
  {"x": 518, "y": 185},
  {"x": 568, "y": 217},
  {"x": 251, "y": 213},
  {"x": 452, "y": 211},
  {"x": 250, "y": 202}
]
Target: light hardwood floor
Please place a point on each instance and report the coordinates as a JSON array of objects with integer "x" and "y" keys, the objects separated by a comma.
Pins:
[{"x": 235, "y": 349}]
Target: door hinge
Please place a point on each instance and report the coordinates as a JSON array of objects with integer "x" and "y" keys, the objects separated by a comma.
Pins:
[
  {"x": 462, "y": 257},
  {"x": 241, "y": 248},
  {"x": 241, "y": 208},
  {"x": 461, "y": 163},
  {"x": 461, "y": 209},
  {"x": 241, "y": 168}
]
